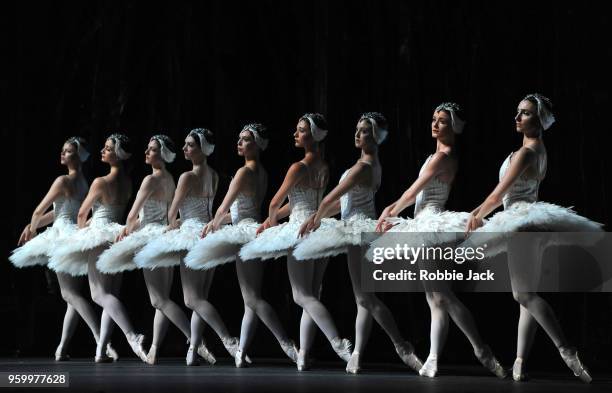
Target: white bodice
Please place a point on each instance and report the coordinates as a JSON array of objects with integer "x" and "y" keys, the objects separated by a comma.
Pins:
[
  {"x": 358, "y": 200},
  {"x": 244, "y": 206},
  {"x": 434, "y": 195},
  {"x": 103, "y": 214},
  {"x": 523, "y": 189},
  {"x": 153, "y": 211},
  {"x": 196, "y": 207},
  {"x": 66, "y": 209},
  {"x": 303, "y": 201}
]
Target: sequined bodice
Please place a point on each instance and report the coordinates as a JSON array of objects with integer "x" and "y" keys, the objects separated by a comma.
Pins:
[
  {"x": 304, "y": 199},
  {"x": 153, "y": 211},
  {"x": 523, "y": 189},
  {"x": 433, "y": 195},
  {"x": 244, "y": 206},
  {"x": 358, "y": 200},
  {"x": 66, "y": 209},
  {"x": 303, "y": 202},
  {"x": 196, "y": 207},
  {"x": 106, "y": 213}
]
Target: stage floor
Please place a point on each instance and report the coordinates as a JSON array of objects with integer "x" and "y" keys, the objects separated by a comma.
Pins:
[{"x": 269, "y": 376}]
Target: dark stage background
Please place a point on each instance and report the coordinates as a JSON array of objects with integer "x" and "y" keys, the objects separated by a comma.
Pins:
[{"x": 90, "y": 68}]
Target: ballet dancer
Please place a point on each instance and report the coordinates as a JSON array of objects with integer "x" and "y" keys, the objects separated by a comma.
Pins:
[
  {"x": 66, "y": 194},
  {"x": 353, "y": 197},
  {"x": 242, "y": 205},
  {"x": 108, "y": 197},
  {"x": 304, "y": 185},
  {"x": 519, "y": 180},
  {"x": 429, "y": 194}
]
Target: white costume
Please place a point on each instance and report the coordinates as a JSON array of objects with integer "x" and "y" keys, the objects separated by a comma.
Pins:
[
  {"x": 120, "y": 256},
  {"x": 357, "y": 215},
  {"x": 38, "y": 250},
  {"x": 278, "y": 241},
  {"x": 71, "y": 257},
  {"x": 166, "y": 250},
  {"x": 222, "y": 246}
]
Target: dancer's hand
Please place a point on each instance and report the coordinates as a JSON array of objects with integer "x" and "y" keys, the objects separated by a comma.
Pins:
[
  {"x": 383, "y": 225},
  {"x": 263, "y": 227},
  {"x": 306, "y": 227},
  {"x": 473, "y": 223},
  {"x": 26, "y": 235},
  {"x": 122, "y": 235},
  {"x": 172, "y": 226}
]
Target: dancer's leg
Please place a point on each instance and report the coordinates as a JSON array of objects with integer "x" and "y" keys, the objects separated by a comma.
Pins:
[
  {"x": 71, "y": 321},
  {"x": 70, "y": 288},
  {"x": 104, "y": 288},
  {"x": 250, "y": 278},
  {"x": 301, "y": 277},
  {"x": 195, "y": 286},
  {"x": 159, "y": 284}
]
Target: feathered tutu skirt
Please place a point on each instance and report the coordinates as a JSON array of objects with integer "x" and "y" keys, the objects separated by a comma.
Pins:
[
  {"x": 38, "y": 250},
  {"x": 167, "y": 249},
  {"x": 432, "y": 227},
  {"x": 333, "y": 237},
  {"x": 71, "y": 257},
  {"x": 221, "y": 246},
  {"x": 120, "y": 256},
  {"x": 275, "y": 242},
  {"x": 530, "y": 217}
]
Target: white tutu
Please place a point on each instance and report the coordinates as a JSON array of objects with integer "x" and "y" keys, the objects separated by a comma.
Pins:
[
  {"x": 38, "y": 250},
  {"x": 529, "y": 217},
  {"x": 167, "y": 249},
  {"x": 221, "y": 246},
  {"x": 334, "y": 237},
  {"x": 120, "y": 256},
  {"x": 71, "y": 256},
  {"x": 274, "y": 242}
]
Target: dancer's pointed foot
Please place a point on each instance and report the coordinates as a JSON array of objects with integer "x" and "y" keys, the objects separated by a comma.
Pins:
[
  {"x": 60, "y": 355},
  {"x": 343, "y": 348},
  {"x": 290, "y": 349},
  {"x": 303, "y": 363},
  {"x": 518, "y": 370},
  {"x": 354, "y": 364},
  {"x": 405, "y": 350},
  {"x": 430, "y": 368},
  {"x": 135, "y": 341},
  {"x": 232, "y": 345},
  {"x": 111, "y": 353},
  {"x": 206, "y": 354},
  {"x": 192, "y": 358},
  {"x": 240, "y": 360},
  {"x": 487, "y": 359},
  {"x": 570, "y": 357},
  {"x": 152, "y": 355}
]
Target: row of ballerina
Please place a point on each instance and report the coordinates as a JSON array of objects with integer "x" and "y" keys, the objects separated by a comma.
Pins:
[{"x": 155, "y": 240}]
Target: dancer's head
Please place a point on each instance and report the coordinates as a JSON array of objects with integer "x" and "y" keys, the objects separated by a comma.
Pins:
[
  {"x": 116, "y": 149},
  {"x": 371, "y": 130},
  {"x": 199, "y": 143},
  {"x": 534, "y": 114},
  {"x": 447, "y": 120},
  {"x": 252, "y": 139},
  {"x": 160, "y": 150},
  {"x": 74, "y": 151},
  {"x": 311, "y": 129}
]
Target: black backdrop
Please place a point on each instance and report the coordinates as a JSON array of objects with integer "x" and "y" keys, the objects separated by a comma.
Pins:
[{"x": 90, "y": 68}]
